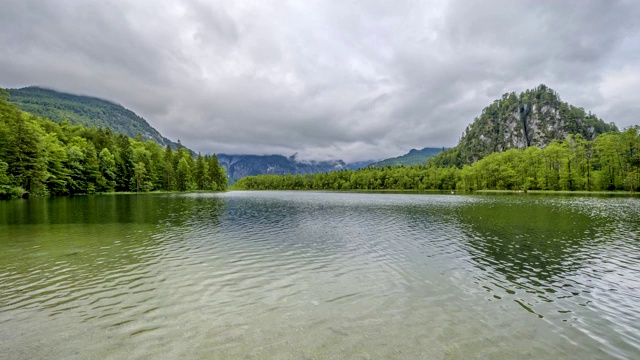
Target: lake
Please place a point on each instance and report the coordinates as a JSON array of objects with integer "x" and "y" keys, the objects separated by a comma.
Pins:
[{"x": 318, "y": 275}]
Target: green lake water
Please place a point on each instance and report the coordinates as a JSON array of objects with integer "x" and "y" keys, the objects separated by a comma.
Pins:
[{"x": 319, "y": 275}]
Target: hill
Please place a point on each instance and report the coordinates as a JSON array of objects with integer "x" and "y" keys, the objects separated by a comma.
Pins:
[
  {"x": 531, "y": 141},
  {"x": 536, "y": 117},
  {"x": 413, "y": 157},
  {"x": 84, "y": 110},
  {"x": 359, "y": 164},
  {"x": 39, "y": 157}
]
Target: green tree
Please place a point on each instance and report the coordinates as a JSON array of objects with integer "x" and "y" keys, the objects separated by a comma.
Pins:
[
  {"x": 91, "y": 167},
  {"x": 25, "y": 153},
  {"x": 107, "y": 167},
  {"x": 5, "y": 181},
  {"x": 169, "y": 181},
  {"x": 183, "y": 175},
  {"x": 609, "y": 164},
  {"x": 201, "y": 174},
  {"x": 58, "y": 178},
  {"x": 139, "y": 176},
  {"x": 124, "y": 164}
]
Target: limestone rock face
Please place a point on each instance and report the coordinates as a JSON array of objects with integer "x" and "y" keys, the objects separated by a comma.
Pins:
[{"x": 534, "y": 118}]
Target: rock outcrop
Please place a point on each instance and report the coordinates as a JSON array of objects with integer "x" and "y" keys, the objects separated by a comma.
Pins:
[{"x": 534, "y": 118}]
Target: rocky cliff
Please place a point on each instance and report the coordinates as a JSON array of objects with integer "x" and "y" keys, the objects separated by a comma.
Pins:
[{"x": 534, "y": 118}]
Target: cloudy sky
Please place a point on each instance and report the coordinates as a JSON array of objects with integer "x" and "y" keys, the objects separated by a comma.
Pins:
[{"x": 353, "y": 80}]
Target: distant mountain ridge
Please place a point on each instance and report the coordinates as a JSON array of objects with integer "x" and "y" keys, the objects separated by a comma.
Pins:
[
  {"x": 84, "y": 110},
  {"x": 413, "y": 157},
  {"x": 239, "y": 166}
]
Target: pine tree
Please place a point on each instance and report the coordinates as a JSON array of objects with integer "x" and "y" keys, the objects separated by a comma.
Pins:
[
  {"x": 139, "y": 176},
  {"x": 183, "y": 176},
  {"x": 5, "y": 181},
  {"x": 91, "y": 168},
  {"x": 203, "y": 168},
  {"x": 25, "y": 153},
  {"x": 56, "y": 158},
  {"x": 218, "y": 175},
  {"x": 169, "y": 170},
  {"x": 124, "y": 164}
]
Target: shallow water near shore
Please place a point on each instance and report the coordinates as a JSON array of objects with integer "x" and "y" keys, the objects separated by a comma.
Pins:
[{"x": 317, "y": 275}]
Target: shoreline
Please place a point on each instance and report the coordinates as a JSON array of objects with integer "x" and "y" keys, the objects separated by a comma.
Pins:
[{"x": 460, "y": 192}]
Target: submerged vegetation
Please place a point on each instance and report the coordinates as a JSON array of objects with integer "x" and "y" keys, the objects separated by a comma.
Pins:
[{"x": 40, "y": 157}]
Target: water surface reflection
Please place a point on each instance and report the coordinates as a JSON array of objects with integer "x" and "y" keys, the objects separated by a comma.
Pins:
[{"x": 319, "y": 275}]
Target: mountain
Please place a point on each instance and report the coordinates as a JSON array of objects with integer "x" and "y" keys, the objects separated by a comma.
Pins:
[
  {"x": 359, "y": 164},
  {"x": 84, "y": 110},
  {"x": 239, "y": 166},
  {"x": 536, "y": 117},
  {"x": 413, "y": 157}
]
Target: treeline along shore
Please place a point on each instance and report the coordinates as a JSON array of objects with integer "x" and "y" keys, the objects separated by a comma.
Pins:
[
  {"x": 527, "y": 141},
  {"x": 609, "y": 162},
  {"x": 530, "y": 141}
]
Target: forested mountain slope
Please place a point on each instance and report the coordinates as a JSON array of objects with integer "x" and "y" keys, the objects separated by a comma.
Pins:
[
  {"x": 413, "y": 157},
  {"x": 239, "y": 166},
  {"x": 536, "y": 117},
  {"x": 39, "y": 157},
  {"x": 84, "y": 110}
]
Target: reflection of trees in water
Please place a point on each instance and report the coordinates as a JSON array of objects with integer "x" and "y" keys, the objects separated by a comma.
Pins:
[
  {"x": 90, "y": 250},
  {"x": 110, "y": 209},
  {"x": 536, "y": 245}
]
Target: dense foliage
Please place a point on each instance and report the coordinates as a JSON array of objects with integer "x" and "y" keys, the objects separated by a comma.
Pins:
[
  {"x": 536, "y": 117},
  {"x": 40, "y": 157},
  {"x": 84, "y": 110},
  {"x": 610, "y": 162}
]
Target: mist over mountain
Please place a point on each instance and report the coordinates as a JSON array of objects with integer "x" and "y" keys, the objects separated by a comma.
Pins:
[
  {"x": 413, "y": 157},
  {"x": 239, "y": 166}
]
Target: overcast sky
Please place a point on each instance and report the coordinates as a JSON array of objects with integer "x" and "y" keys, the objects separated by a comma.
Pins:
[{"x": 353, "y": 80}]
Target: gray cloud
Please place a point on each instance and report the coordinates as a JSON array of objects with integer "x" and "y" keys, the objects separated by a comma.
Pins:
[{"x": 329, "y": 79}]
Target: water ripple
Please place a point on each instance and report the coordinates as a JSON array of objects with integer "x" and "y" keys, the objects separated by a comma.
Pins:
[{"x": 321, "y": 275}]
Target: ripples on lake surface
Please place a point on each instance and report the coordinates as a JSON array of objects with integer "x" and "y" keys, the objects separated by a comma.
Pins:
[{"x": 312, "y": 275}]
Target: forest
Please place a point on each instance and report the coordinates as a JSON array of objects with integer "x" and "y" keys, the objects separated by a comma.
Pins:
[
  {"x": 39, "y": 157},
  {"x": 609, "y": 162},
  {"x": 83, "y": 110}
]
